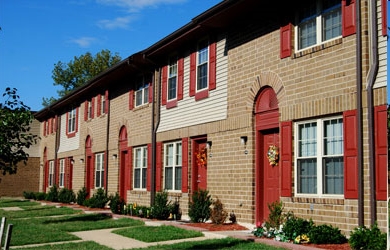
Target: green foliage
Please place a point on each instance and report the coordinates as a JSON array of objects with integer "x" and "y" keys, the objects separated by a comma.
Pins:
[
  {"x": 79, "y": 71},
  {"x": 66, "y": 196},
  {"x": 81, "y": 196},
  {"x": 52, "y": 195},
  {"x": 98, "y": 200},
  {"x": 40, "y": 196},
  {"x": 29, "y": 195},
  {"x": 295, "y": 226},
  {"x": 117, "y": 203},
  {"x": 15, "y": 136},
  {"x": 275, "y": 217},
  {"x": 326, "y": 234},
  {"x": 199, "y": 206},
  {"x": 175, "y": 210},
  {"x": 162, "y": 207},
  {"x": 218, "y": 214},
  {"x": 368, "y": 238}
]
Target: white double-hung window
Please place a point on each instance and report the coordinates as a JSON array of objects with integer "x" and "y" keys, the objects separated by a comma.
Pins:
[
  {"x": 142, "y": 92},
  {"x": 62, "y": 173},
  {"x": 140, "y": 167},
  {"x": 99, "y": 170},
  {"x": 318, "y": 21},
  {"x": 319, "y": 157},
  {"x": 202, "y": 66},
  {"x": 173, "y": 166},
  {"x": 51, "y": 174},
  {"x": 172, "y": 79},
  {"x": 72, "y": 121}
]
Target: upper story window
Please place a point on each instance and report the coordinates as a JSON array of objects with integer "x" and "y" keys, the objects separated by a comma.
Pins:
[
  {"x": 202, "y": 66},
  {"x": 90, "y": 110},
  {"x": 140, "y": 167},
  {"x": 173, "y": 166},
  {"x": 103, "y": 104},
  {"x": 319, "y": 157},
  {"x": 99, "y": 170},
  {"x": 51, "y": 174},
  {"x": 71, "y": 116},
  {"x": 172, "y": 79},
  {"x": 142, "y": 92},
  {"x": 318, "y": 22},
  {"x": 62, "y": 173}
]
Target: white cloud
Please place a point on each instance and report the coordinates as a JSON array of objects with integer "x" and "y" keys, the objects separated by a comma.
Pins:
[
  {"x": 83, "y": 42},
  {"x": 117, "y": 23},
  {"x": 135, "y": 5}
]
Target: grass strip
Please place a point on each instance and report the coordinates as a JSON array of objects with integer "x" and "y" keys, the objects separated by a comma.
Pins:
[
  {"x": 157, "y": 233},
  {"x": 38, "y": 211},
  {"x": 85, "y": 245}
]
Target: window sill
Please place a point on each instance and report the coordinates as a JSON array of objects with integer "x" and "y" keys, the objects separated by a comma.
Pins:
[
  {"x": 316, "y": 48},
  {"x": 331, "y": 201}
]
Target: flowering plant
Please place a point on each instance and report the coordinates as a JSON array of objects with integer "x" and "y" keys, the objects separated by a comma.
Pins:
[
  {"x": 201, "y": 158},
  {"x": 273, "y": 155}
]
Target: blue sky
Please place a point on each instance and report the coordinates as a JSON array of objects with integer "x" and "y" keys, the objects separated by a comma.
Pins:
[{"x": 36, "y": 35}]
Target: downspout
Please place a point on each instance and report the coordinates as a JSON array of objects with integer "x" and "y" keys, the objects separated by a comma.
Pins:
[
  {"x": 57, "y": 147},
  {"x": 155, "y": 115},
  {"x": 359, "y": 115},
  {"x": 107, "y": 138},
  {"x": 372, "y": 73}
]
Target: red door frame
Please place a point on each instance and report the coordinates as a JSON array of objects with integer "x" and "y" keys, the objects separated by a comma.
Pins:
[
  {"x": 266, "y": 118},
  {"x": 194, "y": 173},
  {"x": 124, "y": 175}
]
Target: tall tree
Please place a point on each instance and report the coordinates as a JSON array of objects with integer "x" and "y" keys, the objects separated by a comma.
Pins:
[
  {"x": 15, "y": 136},
  {"x": 79, "y": 71}
]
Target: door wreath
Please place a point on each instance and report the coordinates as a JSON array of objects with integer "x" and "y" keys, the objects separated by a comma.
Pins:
[{"x": 273, "y": 155}]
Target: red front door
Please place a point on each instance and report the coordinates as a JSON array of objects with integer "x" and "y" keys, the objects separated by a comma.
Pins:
[
  {"x": 123, "y": 175},
  {"x": 199, "y": 165},
  {"x": 269, "y": 174}
]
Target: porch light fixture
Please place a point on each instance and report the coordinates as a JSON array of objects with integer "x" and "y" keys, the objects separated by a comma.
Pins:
[
  {"x": 114, "y": 156},
  {"x": 209, "y": 144},
  {"x": 81, "y": 160},
  {"x": 72, "y": 161},
  {"x": 243, "y": 140}
]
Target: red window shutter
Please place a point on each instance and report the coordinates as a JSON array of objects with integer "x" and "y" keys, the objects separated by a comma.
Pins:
[
  {"x": 212, "y": 66},
  {"x": 149, "y": 168},
  {"x": 348, "y": 13},
  {"x": 85, "y": 110},
  {"x": 131, "y": 100},
  {"x": 46, "y": 178},
  {"x": 106, "y": 105},
  {"x": 99, "y": 105},
  {"x": 67, "y": 123},
  {"x": 164, "y": 86},
  {"x": 77, "y": 120},
  {"x": 192, "y": 74},
  {"x": 286, "y": 158},
  {"x": 44, "y": 128},
  {"x": 285, "y": 41},
  {"x": 159, "y": 166},
  {"x": 56, "y": 171},
  {"x": 150, "y": 89},
  {"x": 50, "y": 125},
  {"x": 55, "y": 123},
  {"x": 350, "y": 155},
  {"x": 381, "y": 152},
  {"x": 180, "y": 79},
  {"x": 184, "y": 166},
  {"x": 384, "y": 17}
]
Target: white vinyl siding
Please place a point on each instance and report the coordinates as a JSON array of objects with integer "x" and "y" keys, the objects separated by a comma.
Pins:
[
  {"x": 68, "y": 144},
  {"x": 191, "y": 112}
]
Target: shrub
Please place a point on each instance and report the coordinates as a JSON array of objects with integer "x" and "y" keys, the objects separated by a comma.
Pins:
[
  {"x": 40, "y": 196},
  {"x": 66, "y": 196},
  {"x": 218, "y": 214},
  {"x": 98, "y": 200},
  {"x": 52, "y": 195},
  {"x": 81, "y": 196},
  {"x": 295, "y": 226},
  {"x": 29, "y": 195},
  {"x": 117, "y": 204},
  {"x": 275, "y": 217},
  {"x": 368, "y": 238},
  {"x": 199, "y": 206},
  {"x": 175, "y": 210},
  {"x": 326, "y": 234},
  {"x": 161, "y": 207}
]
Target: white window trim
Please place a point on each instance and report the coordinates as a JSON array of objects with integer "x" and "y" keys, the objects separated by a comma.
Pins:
[
  {"x": 72, "y": 116},
  {"x": 89, "y": 110},
  {"x": 99, "y": 170},
  {"x": 175, "y": 60},
  {"x": 197, "y": 66},
  {"x": 319, "y": 154},
  {"x": 318, "y": 33},
  {"x": 51, "y": 174},
  {"x": 103, "y": 104},
  {"x": 61, "y": 173},
  {"x": 144, "y": 150},
  {"x": 174, "y": 166}
]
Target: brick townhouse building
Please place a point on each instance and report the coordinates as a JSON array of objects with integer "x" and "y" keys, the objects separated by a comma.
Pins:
[{"x": 253, "y": 102}]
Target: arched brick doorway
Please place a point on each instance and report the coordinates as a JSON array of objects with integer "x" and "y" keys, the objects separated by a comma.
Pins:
[
  {"x": 124, "y": 164},
  {"x": 267, "y": 175}
]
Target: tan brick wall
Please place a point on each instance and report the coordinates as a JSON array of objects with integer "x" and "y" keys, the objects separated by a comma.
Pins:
[{"x": 26, "y": 179}]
